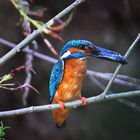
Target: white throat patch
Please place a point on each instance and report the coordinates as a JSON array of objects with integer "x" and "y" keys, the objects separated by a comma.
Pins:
[{"x": 66, "y": 54}]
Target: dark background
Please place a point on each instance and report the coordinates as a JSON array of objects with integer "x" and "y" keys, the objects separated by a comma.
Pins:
[{"x": 113, "y": 24}]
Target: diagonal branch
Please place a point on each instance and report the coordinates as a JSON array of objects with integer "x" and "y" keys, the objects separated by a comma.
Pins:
[
  {"x": 122, "y": 101},
  {"x": 29, "y": 51},
  {"x": 36, "y": 33},
  {"x": 72, "y": 104},
  {"x": 119, "y": 66}
]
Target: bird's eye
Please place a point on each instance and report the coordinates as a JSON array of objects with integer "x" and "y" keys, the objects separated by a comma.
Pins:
[
  {"x": 83, "y": 47},
  {"x": 88, "y": 48}
]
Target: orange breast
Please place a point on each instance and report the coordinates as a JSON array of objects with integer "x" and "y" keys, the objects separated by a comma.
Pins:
[{"x": 72, "y": 81}]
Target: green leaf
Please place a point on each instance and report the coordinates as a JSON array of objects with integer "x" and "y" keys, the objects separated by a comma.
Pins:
[
  {"x": 2, "y": 130},
  {"x": 6, "y": 77}
]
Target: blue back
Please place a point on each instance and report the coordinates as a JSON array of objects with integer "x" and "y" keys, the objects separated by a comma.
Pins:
[{"x": 55, "y": 78}]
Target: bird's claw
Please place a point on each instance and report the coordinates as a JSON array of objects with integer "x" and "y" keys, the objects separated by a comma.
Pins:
[
  {"x": 84, "y": 101},
  {"x": 62, "y": 106}
]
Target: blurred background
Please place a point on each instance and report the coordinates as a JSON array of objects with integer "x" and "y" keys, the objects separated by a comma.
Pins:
[{"x": 109, "y": 24}]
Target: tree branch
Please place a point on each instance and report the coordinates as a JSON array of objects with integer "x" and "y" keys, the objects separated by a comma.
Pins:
[
  {"x": 36, "y": 33},
  {"x": 122, "y": 101},
  {"x": 72, "y": 104},
  {"x": 119, "y": 66},
  {"x": 30, "y": 51}
]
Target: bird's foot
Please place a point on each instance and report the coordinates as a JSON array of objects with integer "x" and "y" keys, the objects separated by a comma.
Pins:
[
  {"x": 84, "y": 101},
  {"x": 62, "y": 106}
]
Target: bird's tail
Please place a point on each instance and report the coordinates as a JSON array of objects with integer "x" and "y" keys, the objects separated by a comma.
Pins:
[{"x": 60, "y": 117}]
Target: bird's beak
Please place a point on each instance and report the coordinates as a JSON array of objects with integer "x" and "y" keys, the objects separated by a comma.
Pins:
[{"x": 106, "y": 54}]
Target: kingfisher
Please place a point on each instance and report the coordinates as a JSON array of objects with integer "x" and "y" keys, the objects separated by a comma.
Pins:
[{"x": 68, "y": 74}]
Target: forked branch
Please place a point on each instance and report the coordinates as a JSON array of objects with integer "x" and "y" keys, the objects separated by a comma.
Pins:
[{"x": 119, "y": 66}]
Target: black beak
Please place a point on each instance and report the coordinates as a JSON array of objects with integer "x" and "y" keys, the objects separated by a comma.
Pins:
[{"x": 107, "y": 54}]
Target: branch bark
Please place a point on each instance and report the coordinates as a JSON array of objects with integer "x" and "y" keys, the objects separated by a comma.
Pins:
[
  {"x": 119, "y": 66},
  {"x": 73, "y": 104},
  {"x": 36, "y": 33}
]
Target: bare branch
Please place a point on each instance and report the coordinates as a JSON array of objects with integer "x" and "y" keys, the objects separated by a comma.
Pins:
[
  {"x": 120, "y": 65},
  {"x": 36, "y": 33},
  {"x": 126, "y": 78},
  {"x": 73, "y": 104},
  {"x": 118, "y": 80},
  {"x": 131, "y": 104},
  {"x": 122, "y": 101},
  {"x": 30, "y": 51}
]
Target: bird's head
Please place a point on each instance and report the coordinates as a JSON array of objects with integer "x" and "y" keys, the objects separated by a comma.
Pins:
[{"x": 82, "y": 49}]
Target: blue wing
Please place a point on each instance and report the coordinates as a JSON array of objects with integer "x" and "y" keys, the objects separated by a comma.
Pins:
[{"x": 55, "y": 78}]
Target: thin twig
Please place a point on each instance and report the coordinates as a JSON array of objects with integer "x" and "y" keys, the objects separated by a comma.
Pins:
[
  {"x": 122, "y": 101},
  {"x": 28, "y": 64},
  {"x": 50, "y": 46},
  {"x": 26, "y": 27},
  {"x": 72, "y": 104},
  {"x": 30, "y": 51},
  {"x": 119, "y": 66},
  {"x": 118, "y": 80},
  {"x": 36, "y": 33},
  {"x": 129, "y": 104},
  {"x": 125, "y": 77}
]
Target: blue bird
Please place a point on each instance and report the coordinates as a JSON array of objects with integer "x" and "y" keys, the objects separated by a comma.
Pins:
[{"x": 68, "y": 74}]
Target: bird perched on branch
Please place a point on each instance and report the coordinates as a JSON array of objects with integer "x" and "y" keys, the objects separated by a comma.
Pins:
[{"x": 68, "y": 74}]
